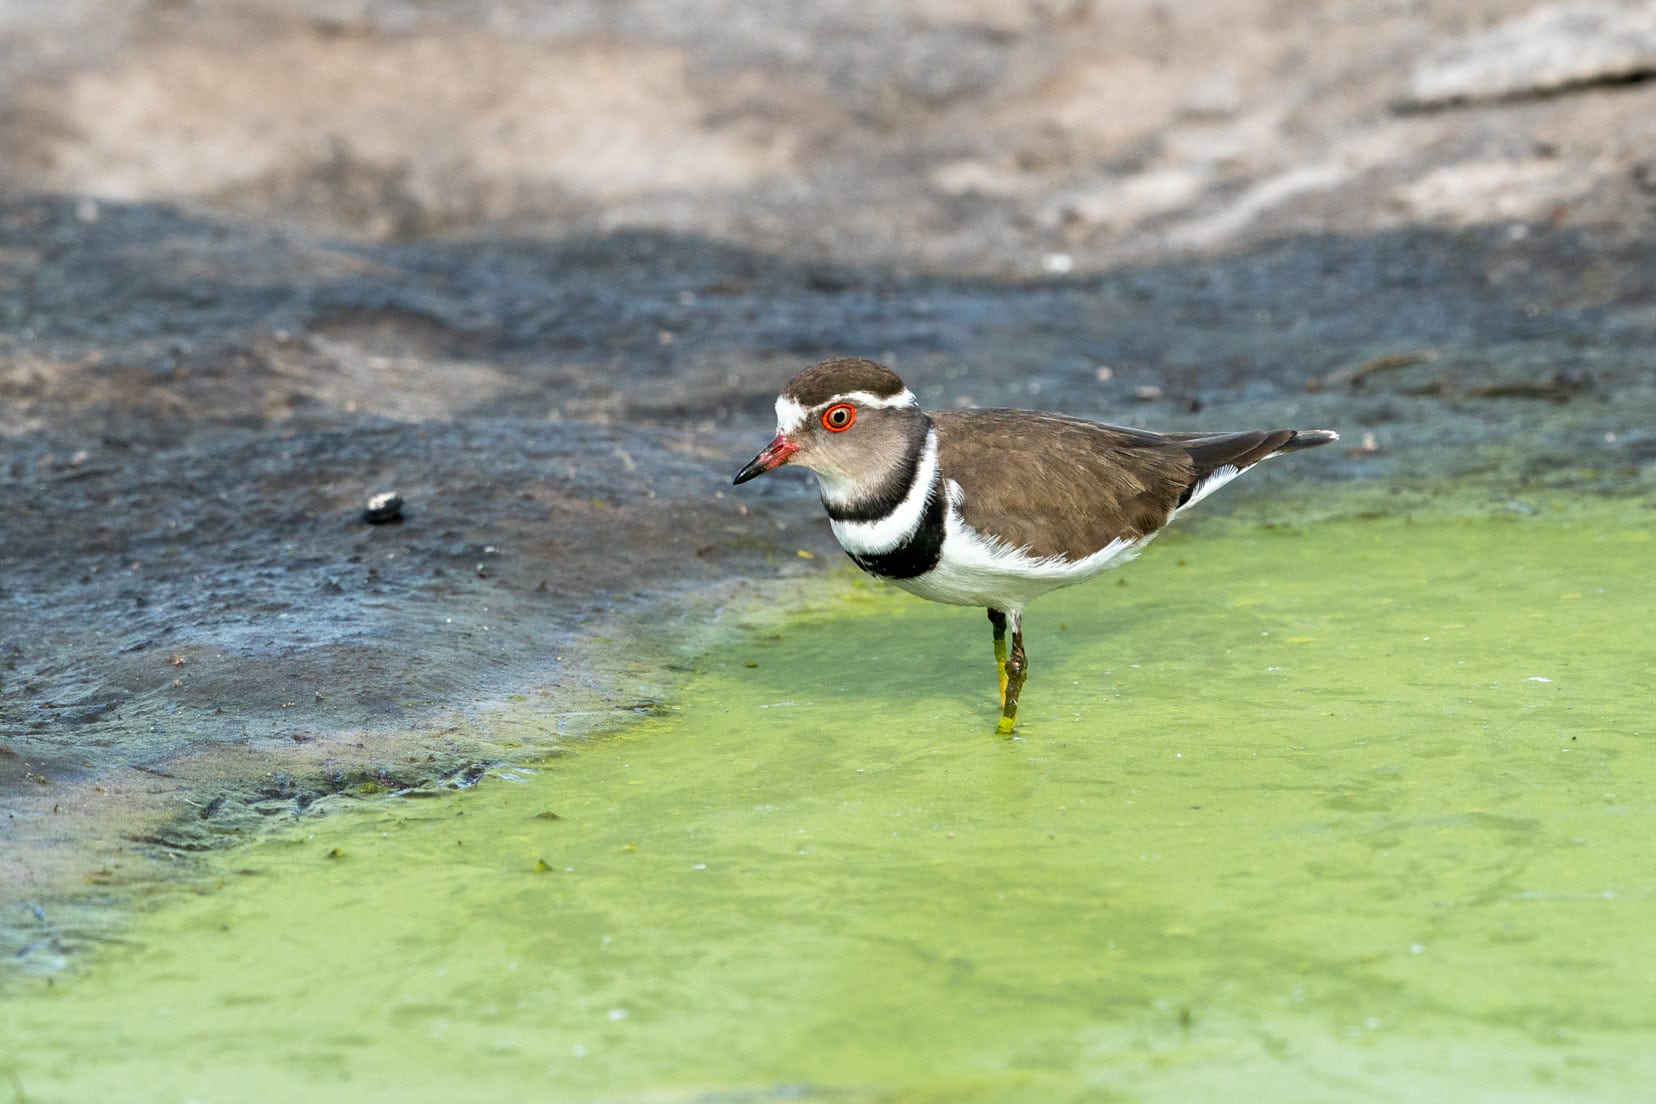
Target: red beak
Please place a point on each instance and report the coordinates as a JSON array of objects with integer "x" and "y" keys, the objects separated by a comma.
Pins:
[{"x": 774, "y": 455}]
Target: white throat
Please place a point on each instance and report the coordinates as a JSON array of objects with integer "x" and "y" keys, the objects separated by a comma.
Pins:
[{"x": 881, "y": 535}]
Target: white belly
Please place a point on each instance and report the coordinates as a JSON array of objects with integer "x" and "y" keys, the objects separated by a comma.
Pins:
[{"x": 976, "y": 570}]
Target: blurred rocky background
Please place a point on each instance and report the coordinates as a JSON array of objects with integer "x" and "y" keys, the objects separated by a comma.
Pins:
[
  {"x": 541, "y": 267},
  {"x": 951, "y": 135}
]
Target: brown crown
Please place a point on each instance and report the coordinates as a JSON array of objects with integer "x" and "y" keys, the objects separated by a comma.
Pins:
[{"x": 822, "y": 381}]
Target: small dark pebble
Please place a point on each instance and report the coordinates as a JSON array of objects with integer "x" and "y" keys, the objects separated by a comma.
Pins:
[
  {"x": 1644, "y": 175},
  {"x": 383, "y": 507}
]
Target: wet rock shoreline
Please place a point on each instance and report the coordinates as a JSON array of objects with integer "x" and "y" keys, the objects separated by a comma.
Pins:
[
  {"x": 193, "y": 594},
  {"x": 227, "y": 318}
]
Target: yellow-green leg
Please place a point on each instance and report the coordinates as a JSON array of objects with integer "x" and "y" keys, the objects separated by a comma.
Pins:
[
  {"x": 1010, "y": 667},
  {"x": 997, "y": 621}
]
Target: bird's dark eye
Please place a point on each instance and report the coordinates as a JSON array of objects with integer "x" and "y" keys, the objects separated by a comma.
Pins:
[{"x": 838, "y": 418}]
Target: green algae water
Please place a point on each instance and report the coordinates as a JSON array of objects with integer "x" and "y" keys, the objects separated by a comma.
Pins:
[{"x": 1358, "y": 811}]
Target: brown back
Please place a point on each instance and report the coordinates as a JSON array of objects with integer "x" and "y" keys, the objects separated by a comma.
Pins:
[{"x": 1060, "y": 486}]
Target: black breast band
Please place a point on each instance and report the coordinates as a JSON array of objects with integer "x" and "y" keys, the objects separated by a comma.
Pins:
[{"x": 920, "y": 551}]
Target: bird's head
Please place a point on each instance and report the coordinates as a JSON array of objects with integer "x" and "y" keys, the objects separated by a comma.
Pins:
[{"x": 851, "y": 421}]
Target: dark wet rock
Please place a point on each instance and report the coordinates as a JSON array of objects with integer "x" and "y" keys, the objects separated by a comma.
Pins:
[{"x": 1562, "y": 386}]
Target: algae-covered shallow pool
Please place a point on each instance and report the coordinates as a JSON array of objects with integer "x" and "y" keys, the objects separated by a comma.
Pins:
[{"x": 1360, "y": 811}]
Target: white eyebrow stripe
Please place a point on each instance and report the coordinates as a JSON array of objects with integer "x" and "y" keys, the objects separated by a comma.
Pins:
[
  {"x": 790, "y": 415},
  {"x": 905, "y": 397}
]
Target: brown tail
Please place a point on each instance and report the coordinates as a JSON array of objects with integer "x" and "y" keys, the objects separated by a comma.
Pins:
[
  {"x": 1243, "y": 450},
  {"x": 1307, "y": 438}
]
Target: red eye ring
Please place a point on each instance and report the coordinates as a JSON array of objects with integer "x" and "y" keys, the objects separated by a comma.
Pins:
[{"x": 839, "y": 417}]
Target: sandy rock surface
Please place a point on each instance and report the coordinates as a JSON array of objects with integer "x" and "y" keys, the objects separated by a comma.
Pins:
[
  {"x": 541, "y": 268},
  {"x": 1551, "y": 48}
]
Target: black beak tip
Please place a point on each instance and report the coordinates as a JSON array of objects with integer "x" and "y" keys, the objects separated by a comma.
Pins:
[{"x": 748, "y": 472}]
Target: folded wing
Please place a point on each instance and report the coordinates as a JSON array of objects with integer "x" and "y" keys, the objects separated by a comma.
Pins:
[{"x": 1057, "y": 486}]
